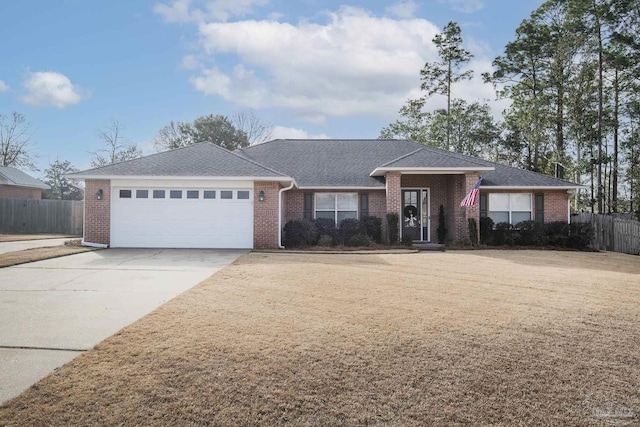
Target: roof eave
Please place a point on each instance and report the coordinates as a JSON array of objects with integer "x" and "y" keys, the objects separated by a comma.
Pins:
[
  {"x": 381, "y": 171},
  {"x": 183, "y": 177},
  {"x": 533, "y": 187}
]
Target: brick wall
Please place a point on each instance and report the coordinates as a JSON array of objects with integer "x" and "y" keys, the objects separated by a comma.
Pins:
[
  {"x": 555, "y": 203},
  {"x": 97, "y": 213},
  {"x": 265, "y": 215},
  {"x": 13, "y": 192}
]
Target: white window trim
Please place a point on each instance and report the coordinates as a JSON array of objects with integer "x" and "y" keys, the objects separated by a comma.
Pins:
[
  {"x": 335, "y": 205},
  {"x": 510, "y": 211}
]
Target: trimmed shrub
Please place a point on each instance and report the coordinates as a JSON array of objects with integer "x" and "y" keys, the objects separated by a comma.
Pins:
[
  {"x": 407, "y": 240},
  {"x": 503, "y": 234},
  {"x": 372, "y": 225},
  {"x": 556, "y": 233},
  {"x": 325, "y": 240},
  {"x": 325, "y": 226},
  {"x": 580, "y": 235},
  {"x": 392, "y": 227},
  {"x": 531, "y": 233},
  {"x": 358, "y": 239},
  {"x": 473, "y": 231},
  {"x": 486, "y": 230},
  {"x": 442, "y": 228},
  {"x": 299, "y": 233}
]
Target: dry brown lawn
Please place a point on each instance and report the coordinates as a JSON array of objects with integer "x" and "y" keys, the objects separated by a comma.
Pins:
[
  {"x": 20, "y": 237},
  {"x": 457, "y": 338},
  {"x": 8, "y": 259}
]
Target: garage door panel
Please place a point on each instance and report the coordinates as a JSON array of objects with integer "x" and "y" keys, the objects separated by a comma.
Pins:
[{"x": 182, "y": 223}]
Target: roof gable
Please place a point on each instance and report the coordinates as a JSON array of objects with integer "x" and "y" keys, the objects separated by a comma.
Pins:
[
  {"x": 20, "y": 179},
  {"x": 197, "y": 160}
]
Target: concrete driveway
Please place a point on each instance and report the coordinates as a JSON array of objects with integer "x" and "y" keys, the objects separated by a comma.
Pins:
[
  {"x": 30, "y": 244},
  {"x": 51, "y": 311}
]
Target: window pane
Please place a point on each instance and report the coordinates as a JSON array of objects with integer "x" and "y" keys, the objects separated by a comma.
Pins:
[
  {"x": 499, "y": 216},
  {"x": 158, "y": 194},
  {"x": 226, "y": 194},
  {"x": 193, "y": 194},
  {"x": 142, "y": 194},
  {"x": 243, "y": 195},
  {"x": 325, "y": 201},
  {"x": 520, "y": 202},
  {"x": 325, "y": 214},
  {"x": 346, "y": 214},
  {"x": 125, "y": 194},
  {"x": 498, "y": 202},
  {"x": 517, "y": 217},
  {"x": 175, "y": 194},
  {"x": 209, "y": 194},
  {"x": 347, "y": 201}
]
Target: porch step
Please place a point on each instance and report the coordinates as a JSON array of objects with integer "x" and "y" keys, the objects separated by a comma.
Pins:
[{"x": 428, "y": 247}]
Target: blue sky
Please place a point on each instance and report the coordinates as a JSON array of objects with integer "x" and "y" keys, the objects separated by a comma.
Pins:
[{"x": 338, "y": 69}]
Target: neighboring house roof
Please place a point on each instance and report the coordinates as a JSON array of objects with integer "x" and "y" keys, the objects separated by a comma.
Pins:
[
  {"x": 18, "y": 178},
  {"x": 197, "y": 160}
]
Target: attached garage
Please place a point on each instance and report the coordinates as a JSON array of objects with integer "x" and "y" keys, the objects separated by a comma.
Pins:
[{"x": 174, "y": 214}]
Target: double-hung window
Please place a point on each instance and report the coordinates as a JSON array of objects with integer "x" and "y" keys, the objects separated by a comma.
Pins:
[
  {"x": 337, "y": 206},
  {"x": 510, "y": 207}
]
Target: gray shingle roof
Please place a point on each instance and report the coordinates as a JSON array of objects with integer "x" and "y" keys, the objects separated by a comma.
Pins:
[
  {"x": 431, "y": 157},
  {"x": 507, "y": 176},
  {"x": 329, "y": 162},
  {"x": 204, "y": 159},
  {"x": 21, "y": 179}
]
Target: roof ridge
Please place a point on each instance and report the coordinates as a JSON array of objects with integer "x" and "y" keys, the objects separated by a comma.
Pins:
[
  {"x": 401, "y": 157},
  {"x": 249, "y": 160}
]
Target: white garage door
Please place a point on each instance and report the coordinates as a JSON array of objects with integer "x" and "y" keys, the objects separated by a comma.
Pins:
[{"x": 171, "y": 217}]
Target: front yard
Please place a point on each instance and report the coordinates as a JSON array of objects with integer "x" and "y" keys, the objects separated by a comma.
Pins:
[{"x": 478, "y": 337}]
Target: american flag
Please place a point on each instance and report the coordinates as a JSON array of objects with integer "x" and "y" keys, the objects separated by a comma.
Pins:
[{"x": 470, "y": 200}]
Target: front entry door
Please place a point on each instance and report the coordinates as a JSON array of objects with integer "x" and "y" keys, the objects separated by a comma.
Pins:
[{"x": 411, "y": 214}]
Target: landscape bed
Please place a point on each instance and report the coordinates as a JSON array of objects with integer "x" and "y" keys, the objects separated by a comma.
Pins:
[{"x": 489, "y": 337}]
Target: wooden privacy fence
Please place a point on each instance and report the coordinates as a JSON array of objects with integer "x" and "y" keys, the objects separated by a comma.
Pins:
[
  {"x": 612, "y": 234},
  {"x": 41, "y": 216}
]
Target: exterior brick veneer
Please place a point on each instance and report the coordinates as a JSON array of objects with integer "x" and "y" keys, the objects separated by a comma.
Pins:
[
  {"x": 265, "y": 215},
  {"x": 13, "y": 192},
  {"x": 97, "y": 213},
  {"x": 293, "y": 202}
]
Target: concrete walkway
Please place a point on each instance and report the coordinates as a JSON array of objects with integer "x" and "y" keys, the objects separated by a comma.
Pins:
[
  {"x": 51, "y": 311},
  {"x": 29, "y": 244}
]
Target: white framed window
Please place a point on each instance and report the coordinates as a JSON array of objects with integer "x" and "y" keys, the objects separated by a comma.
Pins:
[
  {"x": 337, "y": 206},
  {"x": 510, "y": 207}
]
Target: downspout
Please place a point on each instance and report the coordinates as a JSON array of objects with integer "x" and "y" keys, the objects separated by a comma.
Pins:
[{"x": 282, "y": 190}]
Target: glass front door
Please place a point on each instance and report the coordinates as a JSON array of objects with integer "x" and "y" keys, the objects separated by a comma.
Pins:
[{"x": 411, "y": 214}]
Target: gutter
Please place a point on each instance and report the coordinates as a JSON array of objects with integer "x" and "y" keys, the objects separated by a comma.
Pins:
[{"x": 282, "y": 190}]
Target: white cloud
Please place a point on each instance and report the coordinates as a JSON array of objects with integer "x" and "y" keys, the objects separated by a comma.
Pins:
[
  {"x": 4, "y": 87},
  {"x": 354, "y": 64},
  {"x": 403, "y": 9},
  {"x": 190, "y": 62},
  {"x": 48, "y": 88},
  {"x": 216, "y": 10},
  {"x": 466, "y": 6},
  {"x": 283, "y": 132}
]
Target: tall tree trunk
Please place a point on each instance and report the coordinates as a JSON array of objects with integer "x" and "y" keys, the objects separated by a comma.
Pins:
[
  {"x": 560, "y": 132},
  {"x": 449, "y": 77},
  {"x": 592, "y": 199},
  {"x": 616, "y": 124},
  {"x": 600, "y": 106}
]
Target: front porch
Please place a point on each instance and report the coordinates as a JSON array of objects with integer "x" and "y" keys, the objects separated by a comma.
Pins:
[{"x": 417, "y": 197}]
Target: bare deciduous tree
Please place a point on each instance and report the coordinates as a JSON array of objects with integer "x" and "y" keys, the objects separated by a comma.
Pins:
[
  {"x": 116, "y": 147},
  {"x": 257, "y": 131},
  {"x": 15, "y": 141}
]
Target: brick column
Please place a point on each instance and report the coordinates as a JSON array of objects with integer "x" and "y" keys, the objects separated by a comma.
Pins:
[
  {"x": 393, "y": 197},
  {"x": 265, "y": 215},
  {"x": 97, "y": 213},
  {"x": 463, "y": 185}
]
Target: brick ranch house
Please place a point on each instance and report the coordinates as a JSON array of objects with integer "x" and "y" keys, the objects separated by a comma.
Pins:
[
  {"x": 203, "y": 196},
  {"x": 15, "y": 184}
]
